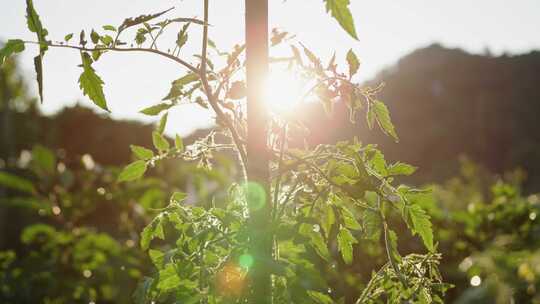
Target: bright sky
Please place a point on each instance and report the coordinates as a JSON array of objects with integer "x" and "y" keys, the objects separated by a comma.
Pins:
[{"x": 387, "y": 31}]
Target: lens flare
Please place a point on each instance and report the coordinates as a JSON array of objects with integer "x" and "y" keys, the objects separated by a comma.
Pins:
[
  {"x": 283, "y": 90},
  {"x": 231, "y": 280}
]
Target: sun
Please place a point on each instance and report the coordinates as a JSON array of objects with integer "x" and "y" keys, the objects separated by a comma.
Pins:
[{"x": 283, "y": 90}]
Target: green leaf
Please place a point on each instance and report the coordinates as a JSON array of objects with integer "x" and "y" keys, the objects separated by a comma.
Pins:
[
  {"x": 339, "y": 9},
  {"x": 349, "y": 220},
  {"x": 109, "y": 28},
  {"x": 153, "y": 230},
  {"x": 157, "y": 257},
  {"x": 421, "y": 224},
  {"x": 178, "y": 85},
  {"x": 43, "y": 159},
  {"x": 168, "y": 278},
  {"x": 132, "y": 171},
  {"x": 129, "y": 22},
  {"x": 15, "y": 182},
  {"x": 91, "y": 84},
  {"x": 345, "y": 242},
  {"x": 329, "y": 220},
  {"x": 315, "y": 240},
  {"x": 353, "y": 62},
  {"x": 178, "y": 197},
  {"x": 159, "y": 141},
  {"x": 68, "y": 37},
  {"x": 38, "y": 66},
  {"x": 182, "y": 36},
  {"x": 162, "y": 123},
  {"x": 400, "y": 168},
  {"x": 94, "y": 36},
  {"x": 35, "y": 26},
  {"x": 383, "y": 118},
  {"x": 378, "y": 163},
  {"x": 142, "y": 152},
  {"x": 179, "y": 143},
  {"x": 320, "y": 297},
  {"x": 371, "y": 222},
  {"x": 156, "y": 109},
  {"x": 370, "y": 117},
  {"x": 11, "y": 47}
]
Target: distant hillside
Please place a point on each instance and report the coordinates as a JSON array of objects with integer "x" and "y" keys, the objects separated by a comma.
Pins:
[{"x": 447, "y": 102}]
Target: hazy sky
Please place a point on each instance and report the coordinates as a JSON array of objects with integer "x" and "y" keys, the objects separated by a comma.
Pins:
[{"x": 387, "y": 30}]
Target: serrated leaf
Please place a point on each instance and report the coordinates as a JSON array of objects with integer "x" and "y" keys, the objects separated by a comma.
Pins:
[
  {"x": 132, "y": 171},
  {"x": 315, "y": 240},
  {"x": 38, "y": 66},
  {"x": 162, "y": 123},
  {"x": 345, "y": 242},
  {"x": 329, "y": 220},
  {"x": 129, "y": 22},
  {"x": 11, "y": 47},
  {"x": 353, "y": 62},
  {"x": 142, "y": 152},
  {"x": 153, "y": 230},
  {"x": 91, "y": 84},
  {"x": 348, "y": 219},
  {"x": 419, "y": 222},
  {"x": 320, "y": 297},
  {"x": 15, "y": 182},
  {"x": 378, "y": 163},
  {"x": 383, "y": 118},
  {"x": 339, "y": 9},
  {"x": 156, "y": 109},
  {"x": 400, "y": 168},
  {"x": 179, "y": 143},
  {"x": 168, "y": 278},
  {"x": 371, "y": 223},
  {"x": 35, "y": 26},
  {"x": 159, "y": 141},
  {"x": 178, "y": 197}
]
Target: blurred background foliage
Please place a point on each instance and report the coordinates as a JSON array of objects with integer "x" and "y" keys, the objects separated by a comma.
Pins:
[{"x": 70, "y": 233}]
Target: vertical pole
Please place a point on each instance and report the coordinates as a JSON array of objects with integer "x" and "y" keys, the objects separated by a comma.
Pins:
[{"x": 258, "y": 166}]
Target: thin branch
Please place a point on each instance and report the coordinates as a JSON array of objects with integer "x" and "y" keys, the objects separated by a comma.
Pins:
[
  {"x": 212, "y": 98},
  {"x": 280, "y": 174},
  {"x": 115, "y": 49}
]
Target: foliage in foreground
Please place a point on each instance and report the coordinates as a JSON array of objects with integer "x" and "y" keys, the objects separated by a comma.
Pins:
[{"x": 324, "y": 200}]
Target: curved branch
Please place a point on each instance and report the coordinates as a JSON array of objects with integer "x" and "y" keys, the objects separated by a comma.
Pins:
[{"x": 115, "y": 49}]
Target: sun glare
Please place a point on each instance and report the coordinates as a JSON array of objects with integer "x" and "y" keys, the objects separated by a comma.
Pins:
[{"x": 283, "y": 90}]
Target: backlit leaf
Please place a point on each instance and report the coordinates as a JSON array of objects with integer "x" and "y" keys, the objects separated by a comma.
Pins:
[
  {"x": 345, "y": 242},
  {"x": 159, "y": 141},
  {"x": 11, "y": 47},
  {"x": 91, "y": 84},
  {"x": 383, "y": 118},
  {"x": 132, "y": 171},
  {"x": 320, "y": 297},
  {"x": 339, "y": 9},
  {"x": 156, "y": 109},
  {"x": 142, "y": 152},
  {"x": 419, "y": 222},
  {"x": 400, "y": 168},
  {"x": 353, "y": 62}
]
